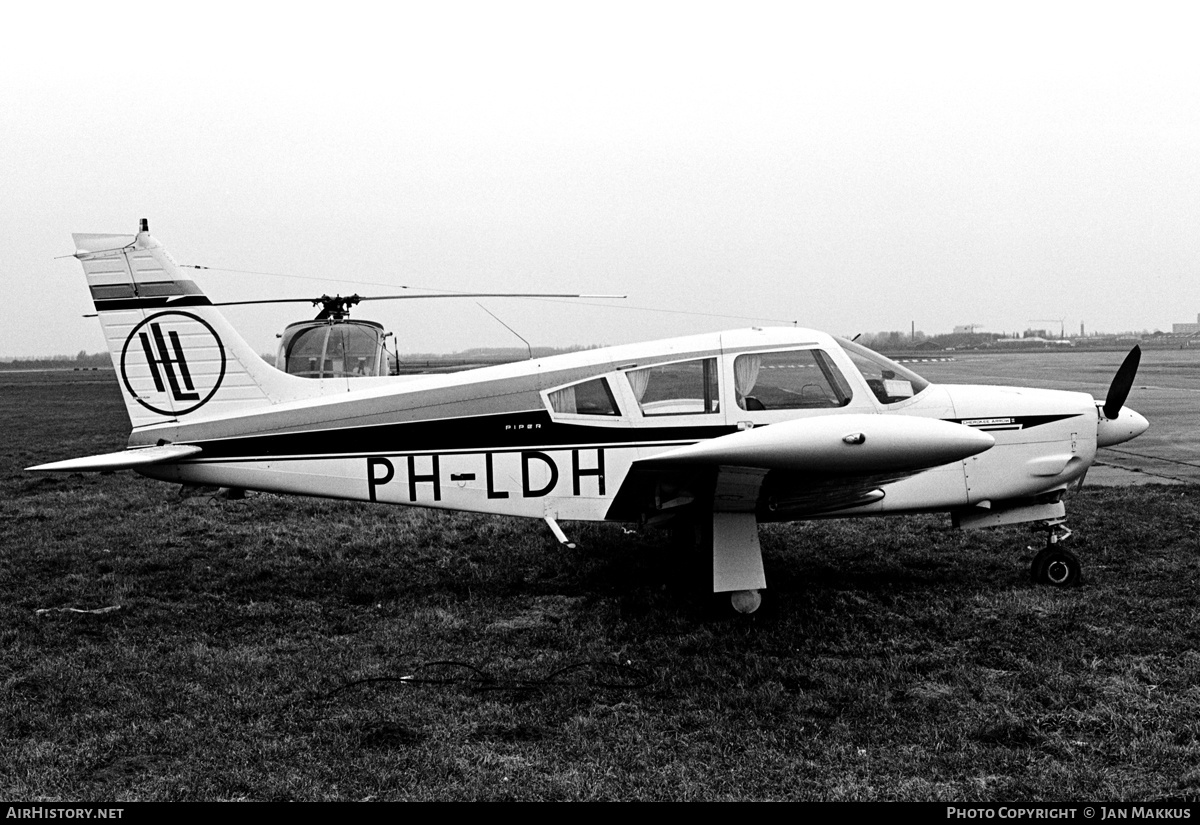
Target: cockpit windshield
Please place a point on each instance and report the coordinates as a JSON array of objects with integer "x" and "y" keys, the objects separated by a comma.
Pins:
[
  {"x": 325, "y": 349},
  {"x": 890, "y": 382}
]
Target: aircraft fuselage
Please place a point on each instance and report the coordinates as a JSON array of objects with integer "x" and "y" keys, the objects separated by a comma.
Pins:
[{"x": 491, "y": 441}]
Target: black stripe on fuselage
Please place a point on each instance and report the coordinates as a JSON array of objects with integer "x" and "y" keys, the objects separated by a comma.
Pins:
[
  {"x": 501, "y": 432},
  {"x": 1010, "y": 422},
  {"x": 488, "y": 433},
  {"x": 532, "y": 448}
]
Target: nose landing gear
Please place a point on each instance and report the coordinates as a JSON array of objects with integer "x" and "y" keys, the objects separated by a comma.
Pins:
[
  {"x": 745, "y": 601},
  {"x": 1054, "y": 564}
]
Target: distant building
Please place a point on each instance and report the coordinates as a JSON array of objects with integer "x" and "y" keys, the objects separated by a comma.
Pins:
[{"x": 1187, "y": 328}]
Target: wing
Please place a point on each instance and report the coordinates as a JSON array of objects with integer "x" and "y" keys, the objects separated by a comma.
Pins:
[{"x": 794, "y": 468}]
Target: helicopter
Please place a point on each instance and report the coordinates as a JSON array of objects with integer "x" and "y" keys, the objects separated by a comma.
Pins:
[
  {"x": 333, "y": 345},
  {"x": 711, "y": 434}
]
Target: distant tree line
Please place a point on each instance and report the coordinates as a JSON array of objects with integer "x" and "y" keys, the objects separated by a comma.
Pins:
[
  {"x": 84, "y": 361},
  {"x": 896, "y": 341},
  {"x": 891, "y": 340},
  {"x": 517, "y": 353}
]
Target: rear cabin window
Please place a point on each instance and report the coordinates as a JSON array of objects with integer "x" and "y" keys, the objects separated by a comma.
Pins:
[
  {"x": 685, "y": 388},
  {"x": 794, "y": 380},
  {"x": 587, "y": 398}
]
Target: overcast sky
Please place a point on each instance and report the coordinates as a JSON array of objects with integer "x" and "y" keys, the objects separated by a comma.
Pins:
[{"x": 852, "y": 167}]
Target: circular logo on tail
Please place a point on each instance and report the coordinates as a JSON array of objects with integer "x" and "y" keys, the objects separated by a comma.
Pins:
[{"x": 172, "y": 363}]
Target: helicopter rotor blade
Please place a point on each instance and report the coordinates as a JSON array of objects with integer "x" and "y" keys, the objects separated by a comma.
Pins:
[
  {"x": 264, "y": 301},
  {"x": 426, "y": 295},
  {"x": 487, "y": 295}
]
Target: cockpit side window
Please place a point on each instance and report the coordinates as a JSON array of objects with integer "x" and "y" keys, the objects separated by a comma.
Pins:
[
  {"x": 890, "y": 382},
  {"x": 792, "y": 380},
  {"x": 684, "y": 388},
  {"x": 303, "y": 352},
  {"x": 585, "y": 398}
]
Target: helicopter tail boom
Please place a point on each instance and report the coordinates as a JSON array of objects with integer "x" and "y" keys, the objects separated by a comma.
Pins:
[{"x": 175, "y": 354}]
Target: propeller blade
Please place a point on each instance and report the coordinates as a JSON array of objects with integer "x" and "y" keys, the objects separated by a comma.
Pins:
[{"x": 1122, "y": 383}]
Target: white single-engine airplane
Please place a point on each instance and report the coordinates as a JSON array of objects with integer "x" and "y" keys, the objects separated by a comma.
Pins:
[{"x": 713, "y": 432}]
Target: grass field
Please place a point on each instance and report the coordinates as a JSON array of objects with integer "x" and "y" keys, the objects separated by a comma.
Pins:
[{"x": 258, "y": 649}]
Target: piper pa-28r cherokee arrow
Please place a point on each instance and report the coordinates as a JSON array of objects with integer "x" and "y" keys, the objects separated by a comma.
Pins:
[{"x": 713, "y": 433}]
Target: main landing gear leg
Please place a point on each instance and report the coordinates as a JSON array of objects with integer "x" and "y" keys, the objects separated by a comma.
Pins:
[
  {"x": 737, "y": 560},
  {"x": 1054, "y": 564}
]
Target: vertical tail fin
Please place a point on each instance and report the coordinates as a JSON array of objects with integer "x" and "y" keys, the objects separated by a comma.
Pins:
[{"x": 175, "y": 354}]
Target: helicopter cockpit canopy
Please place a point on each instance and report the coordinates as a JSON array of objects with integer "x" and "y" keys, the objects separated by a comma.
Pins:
[{"x": 333, "y": 348}]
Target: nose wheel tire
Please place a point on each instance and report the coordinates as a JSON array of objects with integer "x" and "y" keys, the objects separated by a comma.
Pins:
[
  {"x": 1056, "y": 567},
  {"x": 745, "y": 601}
]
